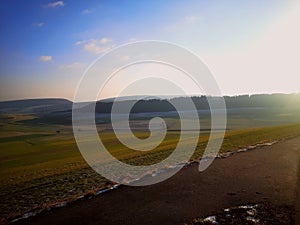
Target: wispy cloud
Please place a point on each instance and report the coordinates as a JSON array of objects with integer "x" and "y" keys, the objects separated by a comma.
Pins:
[
  {"x": 132, "y": 39},
  {"x": 72, "y": 66},
  {"x": 38, "y": 24},
  {"x": 105, "y": 40},
  {"x": 45, "y": 58},
  {"x": 123, "y": 58},
  {"x": 86, "y": 11},
  {"x": 55, "y": 4},
  {"x": 81, "y": 42},
  {"x": 192, "y": 19},
  {"x": 96, "y": 46},
  {"x": 96, "y": 49}
]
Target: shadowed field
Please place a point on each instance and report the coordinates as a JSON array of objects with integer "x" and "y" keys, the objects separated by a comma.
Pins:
[
  {"x": 40, "y": 166},
  {"x": 266, "y": 175}
]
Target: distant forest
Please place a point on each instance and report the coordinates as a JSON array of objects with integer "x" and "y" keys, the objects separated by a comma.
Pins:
[
  {"x": 59, "y": 111},
  {"x": 63, "y": 107},
  {"x": 201, "y": 103}
]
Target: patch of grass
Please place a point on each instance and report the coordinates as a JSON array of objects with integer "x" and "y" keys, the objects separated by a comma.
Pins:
[
  {"x": 39, "y": 169},
  {"x": 23, "y": 138}
]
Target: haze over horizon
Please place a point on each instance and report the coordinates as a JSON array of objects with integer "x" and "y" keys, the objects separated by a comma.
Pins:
[
  {"x": 145, "y": 97},
  {"x": 250, "y": 47}
]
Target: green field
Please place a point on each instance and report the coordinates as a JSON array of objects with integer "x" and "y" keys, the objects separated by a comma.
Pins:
[{"x": 40, "y": 166}]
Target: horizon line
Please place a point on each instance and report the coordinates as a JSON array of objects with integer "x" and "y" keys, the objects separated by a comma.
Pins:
[{"x": 154, "y": 96}]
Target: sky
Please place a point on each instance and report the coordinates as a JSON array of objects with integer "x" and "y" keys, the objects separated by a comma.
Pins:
[{"x": 249, "y": 46}]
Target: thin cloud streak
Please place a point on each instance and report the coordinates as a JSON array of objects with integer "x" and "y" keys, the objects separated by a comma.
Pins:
[
  {"x": 96, "y": 46},
  {"x": 55, "y": 4},
  {"x": 38, "y": 24},
  {"x": 86, "y": 11},
  {"x": 45, "y": 58},
  {"x": 73, "y": 66}
]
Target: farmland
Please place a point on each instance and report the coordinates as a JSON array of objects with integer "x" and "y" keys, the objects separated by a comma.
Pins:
[{"x": 41, "y": 167}]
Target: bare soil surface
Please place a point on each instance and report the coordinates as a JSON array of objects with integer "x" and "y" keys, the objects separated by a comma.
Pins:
[{"x": 267, "y": 175}]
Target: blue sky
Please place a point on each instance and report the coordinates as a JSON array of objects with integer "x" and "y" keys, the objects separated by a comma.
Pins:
[{"x": 46, "y": 45}]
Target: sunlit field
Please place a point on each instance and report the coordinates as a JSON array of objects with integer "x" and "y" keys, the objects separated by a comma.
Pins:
[{"x": 41, "y": 165}]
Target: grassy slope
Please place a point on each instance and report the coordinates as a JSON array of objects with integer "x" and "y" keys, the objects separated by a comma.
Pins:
[{"x": 42, "y": 168}]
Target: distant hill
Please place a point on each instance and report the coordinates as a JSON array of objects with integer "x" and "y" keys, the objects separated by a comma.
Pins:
[
  {"x": 59, "y": 111},
  {"x": 201, "y": 103},
  {"x": 38, "y": 106},
  {"x": 135, "y": 97},
  {"x": 150, "y": 103}
]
